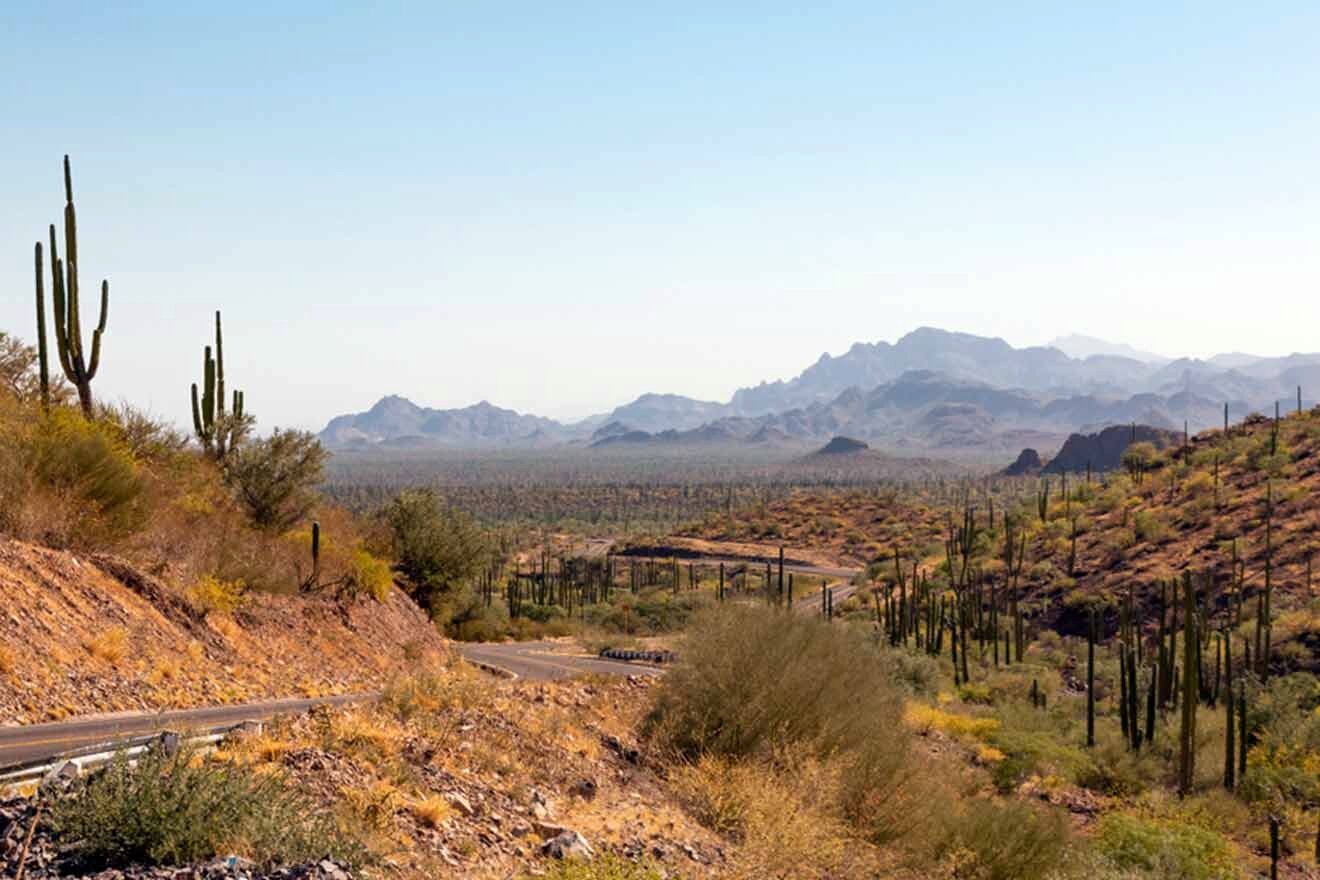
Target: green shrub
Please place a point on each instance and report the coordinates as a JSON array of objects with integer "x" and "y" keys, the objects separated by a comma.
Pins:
[
  {"x": 1003, "y": 840},
  {"x": 606, "y": 867},
  {"x": 87, "y": 466},
  {"x": 275, "y": 477},
  {"x": 757, "y": 683},
  {"x": 1164, "y": 848},
  {"x": 174, "y": 810},
  {"x": 752, "y": 680},
  {"x": 438, "y": 550}
]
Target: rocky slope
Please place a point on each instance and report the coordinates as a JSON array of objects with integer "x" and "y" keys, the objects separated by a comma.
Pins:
[{"x": 82, "y": 635}]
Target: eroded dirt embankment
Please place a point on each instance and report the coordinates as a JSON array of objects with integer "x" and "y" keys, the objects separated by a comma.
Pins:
[{"x": 83, "y": 635}]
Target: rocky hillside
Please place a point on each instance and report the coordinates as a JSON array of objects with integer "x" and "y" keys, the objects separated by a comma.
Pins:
[
  {"x": 397, "y": 421},
  {"x": 932, "y": 390},
  {"x": 89, "y": 634}
]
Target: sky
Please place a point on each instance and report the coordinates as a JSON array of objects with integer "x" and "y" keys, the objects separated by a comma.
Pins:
[{"x": 557, "y": 207}]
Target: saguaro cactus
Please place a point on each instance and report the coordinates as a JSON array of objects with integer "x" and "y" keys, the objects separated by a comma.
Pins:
[
  {"x": 42, "y": 359},
  {"x": 216, "y": 430},
  {"x": 1090, "y": 680},
  {"x": 1187, "y": 727},
  {"x": 78, "y": 367}
]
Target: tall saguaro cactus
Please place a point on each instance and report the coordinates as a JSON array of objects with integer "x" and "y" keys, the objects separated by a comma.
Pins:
[
  {"x": 216, "y": 430},
  {"x": 42, "y": 354},
  {"x": 78, "y": 365}
]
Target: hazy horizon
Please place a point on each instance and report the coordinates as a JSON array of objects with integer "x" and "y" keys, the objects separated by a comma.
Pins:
[{"x": 559, "y": 209}]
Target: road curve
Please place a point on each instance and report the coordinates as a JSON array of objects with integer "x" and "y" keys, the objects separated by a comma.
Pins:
[
  {"x": 35, "y": 742},
  {"x": 545, "y": 661},
  {"x": 754, "y": 565}
]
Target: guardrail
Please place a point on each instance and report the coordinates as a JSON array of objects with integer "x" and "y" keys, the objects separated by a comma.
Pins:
[
  {"x": 644, "y": 656},
  {"x": 71, "y": 765}
]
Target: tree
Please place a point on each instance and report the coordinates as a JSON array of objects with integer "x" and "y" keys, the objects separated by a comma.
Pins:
[
  {"x": 438, "y": 549},
  {"x": 18, "y": 372},
  {"x": 276, "y": 477}
]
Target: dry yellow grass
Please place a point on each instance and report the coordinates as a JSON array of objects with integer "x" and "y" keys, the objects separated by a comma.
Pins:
[
  {"x": 109, "y": 645},
  {"x": 430, "y": 810}
]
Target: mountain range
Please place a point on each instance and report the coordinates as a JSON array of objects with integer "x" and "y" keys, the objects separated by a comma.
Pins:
[{"x": 930, "y": 391}]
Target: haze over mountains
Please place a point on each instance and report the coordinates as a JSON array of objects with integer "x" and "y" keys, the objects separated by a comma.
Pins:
[{"x": 931, "y": 391}]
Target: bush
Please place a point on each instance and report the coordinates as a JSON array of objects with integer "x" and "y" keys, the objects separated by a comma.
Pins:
[
  {"x": 211, "y": 594},
  {"x": 756, "y": 684},
  {"x": 1003, "y": 840},
  {"x": 85, "y": 477},
  {"x": 438, "y": 550},
  {"x": 606, "y": 867},
  {"x": 1164, "y": 848},
  {"x": 753, "y": 680},
  {"x": 275, "y": 477},
  {"x": 174, "y": 810}
]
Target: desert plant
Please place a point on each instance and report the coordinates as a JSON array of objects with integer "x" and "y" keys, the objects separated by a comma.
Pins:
[
  {"x": 90, "y": 473},
  {"x": 1008, "y": 840},
  {"x": 79, "y": 368},
  {"x": 173, "y": 809},
  {"x": 438, "y": 549},
  {"x": 275, "y": 477},
  {"x": 217, "y": 430}
]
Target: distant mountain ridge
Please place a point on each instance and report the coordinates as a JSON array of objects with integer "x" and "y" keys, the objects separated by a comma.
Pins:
[
  {"x": 398, "y": 421},
  {"x": 930, "y": 390}
]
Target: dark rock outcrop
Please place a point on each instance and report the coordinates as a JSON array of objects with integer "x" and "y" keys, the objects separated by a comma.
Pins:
[
  {"x": 843, "y": 445},
  {"x": 1104, "y": 451},
  {"x": 1028, "y": 462}
]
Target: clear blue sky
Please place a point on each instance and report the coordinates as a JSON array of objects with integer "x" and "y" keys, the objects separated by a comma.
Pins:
[{"x": 559, "y": 206}]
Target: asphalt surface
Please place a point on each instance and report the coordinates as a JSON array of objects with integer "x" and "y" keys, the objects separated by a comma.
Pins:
[
  {"x": 545, "y": 661},
  {"x": 756, "y": 565},
  {"x": 32, "y": 742}
]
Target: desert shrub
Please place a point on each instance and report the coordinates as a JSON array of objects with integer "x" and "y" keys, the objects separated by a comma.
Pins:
[
  {"x": 778, "y": 812},
  {"x": 605, "y": 867},
  {"x": 1149, "y": 527},
  {"x": 147, "y": 437},
  {"x": 19, "y": 378},
  {"x": 1164, "y": 847},
  {"x": 429, "y": 692},
  {"x": 652, "y": 613},
  {"x": 210, "y": 594},
  {"x": 370, "y": 576},
  {"x": 86, "y": 475},
  {"x": 918, "y": 672},
  {"x": 1003, "y": 840},
  {"x": 754, "y": 683},
  {"x": 1034, "y": 743},
  {"x": 438, "y": 549},
  {"x": 752, "y": 680},
  {"x": 275, "y": 477},
  {"x": 173, "y": 810}
]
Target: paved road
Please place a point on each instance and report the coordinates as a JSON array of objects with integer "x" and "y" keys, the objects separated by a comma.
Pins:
[
  {"x": 32, "y": 742},
  {"x": 755, "y": 565},
  {"x": 812, "y": 600},
  {"x": 544, "y": 661}
]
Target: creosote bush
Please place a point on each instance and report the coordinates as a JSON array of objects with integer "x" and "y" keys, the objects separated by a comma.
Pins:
[
  {"x": 181, "y": 809},
  {"x": 761, "y": 685},
  {"x": 1002, "y": 840},
  {"x": 753, "y": 680}
]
